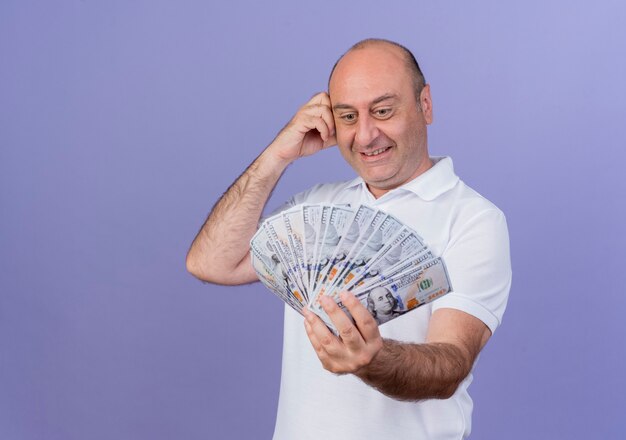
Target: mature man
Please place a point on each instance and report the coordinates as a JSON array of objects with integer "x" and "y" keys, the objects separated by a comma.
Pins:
[{"x": 414, "y": 371}]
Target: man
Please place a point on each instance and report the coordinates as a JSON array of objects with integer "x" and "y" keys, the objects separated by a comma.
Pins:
[{"x": 414, "y": 371}]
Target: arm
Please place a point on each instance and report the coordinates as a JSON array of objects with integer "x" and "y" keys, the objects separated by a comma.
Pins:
[
  {"x": 454, "y": 338},
  {"x": 220, "y": 251},
  {"x": 400, "y": 370},
  {"x": 431, "y": 370}
]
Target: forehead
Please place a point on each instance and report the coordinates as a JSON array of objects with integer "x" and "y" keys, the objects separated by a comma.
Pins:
[{"x": 364, "y": 75}]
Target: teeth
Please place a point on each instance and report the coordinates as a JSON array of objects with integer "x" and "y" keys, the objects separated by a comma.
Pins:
[{"x": 376, "y": 152}]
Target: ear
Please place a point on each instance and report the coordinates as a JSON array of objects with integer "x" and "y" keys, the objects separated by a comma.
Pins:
[{"x": 426, "y": 104}]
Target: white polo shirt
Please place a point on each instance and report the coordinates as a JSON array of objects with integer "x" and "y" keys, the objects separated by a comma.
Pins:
[{"x": 470, "y": 233}]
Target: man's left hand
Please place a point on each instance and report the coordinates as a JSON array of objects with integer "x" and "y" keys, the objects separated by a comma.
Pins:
[{"x": 358, "y": 343}]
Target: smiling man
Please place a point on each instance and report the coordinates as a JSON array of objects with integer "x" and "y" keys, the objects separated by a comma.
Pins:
[
  {"x": 381, "y": 115},
  {"x": 414, "y": 371}
]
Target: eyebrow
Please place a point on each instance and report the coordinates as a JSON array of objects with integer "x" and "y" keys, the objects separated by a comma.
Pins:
[{"x": 375, "y": 101}]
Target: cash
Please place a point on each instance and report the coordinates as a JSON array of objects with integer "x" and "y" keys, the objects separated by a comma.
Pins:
[{"x": 312, "y": 250}]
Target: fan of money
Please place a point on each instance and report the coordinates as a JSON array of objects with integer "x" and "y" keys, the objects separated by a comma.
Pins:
[{"x": 316, "y": 249}]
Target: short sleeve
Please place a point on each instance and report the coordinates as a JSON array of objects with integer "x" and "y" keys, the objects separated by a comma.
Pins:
[{"x": 479, "y": 264}]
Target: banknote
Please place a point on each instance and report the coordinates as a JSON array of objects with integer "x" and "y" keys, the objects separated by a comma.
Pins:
[
  {"x": 371, "y": 243},
  {"x": 275, "y": 241},
  {"x": 311, "y": 219},
  {"x": 387, "y": 256},
  {"x": 311, "y": 250},
  {"x": 294, "y": 227},
  {"x": 377, "y": 277},
  {"x": 397, "y": 296},
  {"x": 357, "y": 227},
  {"x": 274, "y": 282},
  {"x": 408, "y": 251},
  {"x": 320, "y": 225},
  {"x": 271, "y": 273},
  {"x": 339, "y": 231},
  {"x": 412, "y": 289}
]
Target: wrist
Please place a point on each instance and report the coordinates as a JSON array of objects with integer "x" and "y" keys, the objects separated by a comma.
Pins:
[
  {"x": 274, "y": 160},
  {"x": 365, "y": 373}
]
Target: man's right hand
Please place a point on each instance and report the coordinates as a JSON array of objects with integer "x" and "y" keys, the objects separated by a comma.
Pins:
[
  {"x": 220, "y": 253},
  {"x": 310, "y": 130}
]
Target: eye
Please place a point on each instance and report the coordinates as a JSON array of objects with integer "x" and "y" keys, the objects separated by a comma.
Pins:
[
  {"x": 382, "y": 113},
  {"x": 349, "y": 117}
]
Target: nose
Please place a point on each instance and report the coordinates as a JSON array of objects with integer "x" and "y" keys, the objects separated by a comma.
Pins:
[{"x": 366, "y": 131}]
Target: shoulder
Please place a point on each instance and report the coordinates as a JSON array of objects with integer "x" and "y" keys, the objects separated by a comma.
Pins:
[
  {"x": 477, "y": 256},
  {"x": 330, "y": 192},
  {"x": 469, "y": 206}
]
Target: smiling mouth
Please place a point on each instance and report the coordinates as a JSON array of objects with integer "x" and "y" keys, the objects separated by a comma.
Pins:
[{"x": 376, "y": 152}]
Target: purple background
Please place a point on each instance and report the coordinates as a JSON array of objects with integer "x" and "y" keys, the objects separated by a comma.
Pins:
[{"x": 122, "y": 122}]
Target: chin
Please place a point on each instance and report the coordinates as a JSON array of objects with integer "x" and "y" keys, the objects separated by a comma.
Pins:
[{"x": 382, "y": 182}]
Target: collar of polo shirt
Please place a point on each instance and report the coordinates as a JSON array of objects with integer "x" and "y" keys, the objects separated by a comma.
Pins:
[{"x": 439, "y": 179}]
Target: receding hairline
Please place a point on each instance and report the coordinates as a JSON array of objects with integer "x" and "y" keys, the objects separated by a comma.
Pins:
[{"x": 410, "y": 62}]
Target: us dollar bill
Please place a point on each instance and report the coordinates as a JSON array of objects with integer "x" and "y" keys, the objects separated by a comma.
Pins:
[
  {"x": 339, "y": 231},
  {"x": 381, "y": 230},
  {"x": 311, "y": 219},
  {"x": 270, "y": 268},
  {"x": 311, "y": 250},
  {"x": 356, "y": 227},
  {"x": 395, "y": 297},
  {"x": 294, "y": 227},
  {"x": 278, "y": 242},
  {"x": 274, "y": 282},
  {"x": 406, "y": 249}
]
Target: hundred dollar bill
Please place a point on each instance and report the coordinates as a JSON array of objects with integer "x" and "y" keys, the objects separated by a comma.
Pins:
[
  {"x": 429, "y": 266},
  {"x": 313, "y": 250},
  {"x": 276, "y": 240},
  {"x": 311, "y": 218},
  {"x": 337, "y": 230},
  {"x": 396, "y": 297},
  {"x": 273, "y": 281},
  {"x": 280, "y": 236},
  {"x": 370, "y": 246},
  {"x": 319, "y": 244},
  {"x": 357, "y": 225},
  {"x": 415, "y": 262},
  {"x": 388, "y": 255},
  {"x": 294, "y": 226},
  {"x": 407, "y": 250},
  {"x": 340, "y": 264},
  {"x": 391, "y": 299},
  {"x": 360, "y": 246},
  {"x": 265, "y": 254}
]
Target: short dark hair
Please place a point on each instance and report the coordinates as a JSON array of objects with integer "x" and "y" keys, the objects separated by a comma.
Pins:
[{"x": 409, "y": 60}]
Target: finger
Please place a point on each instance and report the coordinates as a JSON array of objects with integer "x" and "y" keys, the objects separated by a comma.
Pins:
[
  {"x": 323, "y": 112},
  {"x": 332, "y": 140},
  {"x": 313, "y": 339},
  {"x": 322, "y": 127},
  {"x": 327, "y": 341},
  {"x": 320, "y": 98},
  {"x": 321, "y": 101},
  {"x": 306, "y": 122},
  {"x": 327, "y": 115},
  {"x": 364, "y": 320},
  {"x": 326, "y": 360},
  {"x": 348, "y": 332}
]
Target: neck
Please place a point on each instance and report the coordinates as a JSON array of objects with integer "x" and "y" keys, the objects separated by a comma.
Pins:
[{"x": 378, "y": 192}]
